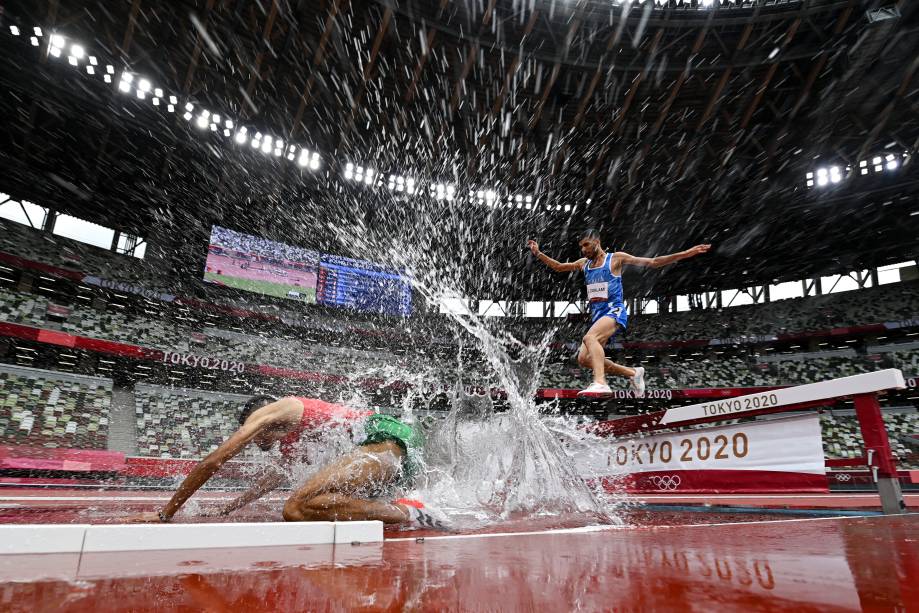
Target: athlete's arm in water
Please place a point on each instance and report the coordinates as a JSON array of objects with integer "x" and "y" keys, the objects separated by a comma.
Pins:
[
  {"x": 270, "y": 481},
  {"x": 625, "y": 259},
  {"x": 261, "y": 420},
  {"x": 555, "y": 264}
]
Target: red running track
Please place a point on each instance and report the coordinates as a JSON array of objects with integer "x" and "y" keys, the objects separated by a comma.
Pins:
[{"x": 835, "y": 564}]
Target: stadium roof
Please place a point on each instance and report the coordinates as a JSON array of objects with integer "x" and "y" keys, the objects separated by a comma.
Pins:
[{"x": 663, "y": 123}]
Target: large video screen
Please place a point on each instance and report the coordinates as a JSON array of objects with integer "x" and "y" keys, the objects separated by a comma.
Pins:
[
  {"x": 362, "y": 285},
  {"x": 254, "y": 264},
  {"x": 259, "y": 265}
]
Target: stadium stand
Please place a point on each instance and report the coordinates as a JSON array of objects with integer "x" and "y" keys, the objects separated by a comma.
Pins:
[
  {"x": 842, "y": 437},
  {"x": 47, "y": 409},
  {"x": 182, "y": 423}
]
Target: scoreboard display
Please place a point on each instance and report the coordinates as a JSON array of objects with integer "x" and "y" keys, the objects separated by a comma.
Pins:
[{"x": 363, "y": 286}]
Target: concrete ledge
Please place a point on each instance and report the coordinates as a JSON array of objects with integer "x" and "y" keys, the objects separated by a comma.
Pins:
[
  {"x": 358, "y": 532},
  {"x": 205, "y": 536},
  {"x": 48, "y": 538}
]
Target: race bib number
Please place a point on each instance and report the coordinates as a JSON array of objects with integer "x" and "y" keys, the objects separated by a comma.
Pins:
[{"x": 597, "y": 292}]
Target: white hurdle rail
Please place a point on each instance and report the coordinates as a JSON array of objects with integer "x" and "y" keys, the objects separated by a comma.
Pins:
[
  {"x": 863, "y": 389},
  {"x": 729, "y": 408}
]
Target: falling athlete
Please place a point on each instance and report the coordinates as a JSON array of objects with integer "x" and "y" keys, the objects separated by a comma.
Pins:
[
  {"x": 347, "y": 489},
  {"x": 603, "y": 276}
]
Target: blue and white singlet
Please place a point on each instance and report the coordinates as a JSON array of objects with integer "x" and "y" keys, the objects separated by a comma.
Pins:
[{"x": 604, "y": 292}]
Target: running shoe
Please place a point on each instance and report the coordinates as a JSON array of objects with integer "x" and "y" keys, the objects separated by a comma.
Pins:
[
  {"x": 637, "y": 383},
  {"x": 595, "y": 389},
  {"x": 421, "y": 516}
]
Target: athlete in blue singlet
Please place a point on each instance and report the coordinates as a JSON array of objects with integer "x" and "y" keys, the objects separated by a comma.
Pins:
[{"x": 603, "y": 277}]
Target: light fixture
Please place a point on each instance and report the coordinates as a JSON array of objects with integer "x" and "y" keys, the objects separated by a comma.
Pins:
[
  {"x": 34, "y": 41},
  {"x": 125, "y": 83},
  {"x": 77, "y": 51},
  {"x": 58, "y": 41},
  {"x": 37, "y": 31},
  {"x": 14, "y": 30}
]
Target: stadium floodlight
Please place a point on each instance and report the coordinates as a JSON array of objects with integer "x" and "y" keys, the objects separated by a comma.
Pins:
[
  {"x": 144, "y": 85},
  {"x": 187, "y": 116},
  {"x": 55, "y": 51},
  {"x": 241, "y": 135},
  {"x": 34, "y": 41},
  {"x": 107, "y": 78},
  {"x": 77, "y": 51},
  {"x": 822, "y": 177},
  {"x": 93, "y": 61},
  {"x": 835, "y": 175},
  {"x": 58, "y": 41},
  {"x": 14, "y": 30},
  {"x": 878, "y": 163},
  {"x": 37, "y": 31},
  {"x": 72, "y": 60},
  {"x": 266, "y": 145},
  {"x": 125, "y": 83},
  {"x": 173, "y": 100},
  {"x": 155, "y": 101},
  {"x": 228, "y": 124},
  {"x": 368, "y": 177},
  {"x": 892, "y": 162},
  {"x": 109, "y": 69},
  {"x": 90, "y": 70},
  {"x": 158, "y": 92},
  {"x": 202, "y": 121},
  {"x": 314, "y": 161},
  {"x": 170, "y": 108}
]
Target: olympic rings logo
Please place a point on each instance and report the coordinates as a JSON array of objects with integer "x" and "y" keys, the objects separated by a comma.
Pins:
[
  {"x": 666, "y": 482},
  {"x": 843, "y": 477}
]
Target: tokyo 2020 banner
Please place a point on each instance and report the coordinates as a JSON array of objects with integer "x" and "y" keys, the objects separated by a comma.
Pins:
[{"x": 776, "y": 455}]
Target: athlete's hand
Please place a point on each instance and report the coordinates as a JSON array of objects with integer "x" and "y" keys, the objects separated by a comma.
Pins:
[
  {"x": 697, "y": 250},
  {"x": 144, "y": 518},
  {"x": 534, "y": 246}
]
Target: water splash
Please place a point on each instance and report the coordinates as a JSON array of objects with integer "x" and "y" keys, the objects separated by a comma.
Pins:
[{"x": 482, "y": 461}]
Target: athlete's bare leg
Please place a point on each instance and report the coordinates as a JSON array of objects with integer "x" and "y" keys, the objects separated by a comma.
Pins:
[
  {"x": 591, "y": 355},
  {"x": 336, "y": 491}
]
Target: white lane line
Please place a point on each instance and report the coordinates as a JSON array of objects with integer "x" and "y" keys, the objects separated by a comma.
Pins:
[
  {"x": 586, "y": 529},
  {"x": 751, "y": 496},
  {"x": 111, "y": 498}
]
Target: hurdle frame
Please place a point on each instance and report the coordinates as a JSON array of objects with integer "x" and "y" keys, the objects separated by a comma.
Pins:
[{"x": 862, "y": 389}]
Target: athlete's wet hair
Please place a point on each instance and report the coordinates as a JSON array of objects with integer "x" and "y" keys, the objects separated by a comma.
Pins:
[
  {"x": 590, "y": 234},
  {"x": 254, "y": 404}
]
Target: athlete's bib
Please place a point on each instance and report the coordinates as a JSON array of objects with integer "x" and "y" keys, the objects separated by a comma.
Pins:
[{"x": 597, "y": 292}]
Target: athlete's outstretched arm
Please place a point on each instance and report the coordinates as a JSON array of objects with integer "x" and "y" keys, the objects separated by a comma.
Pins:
[
  {"x": 555, "y": 264},
  {"x": 206, "y": 468},
  {"x": 661, "y": 260}
]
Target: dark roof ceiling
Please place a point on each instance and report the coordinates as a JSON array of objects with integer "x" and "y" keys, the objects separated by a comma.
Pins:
[{"x": 679, "y": 125}]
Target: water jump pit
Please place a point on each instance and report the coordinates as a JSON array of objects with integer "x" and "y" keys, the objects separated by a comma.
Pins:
[{"x": 68, "y": 549}]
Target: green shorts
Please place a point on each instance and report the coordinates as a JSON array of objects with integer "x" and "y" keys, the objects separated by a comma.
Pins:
[{"x": 381, "y": 428}]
